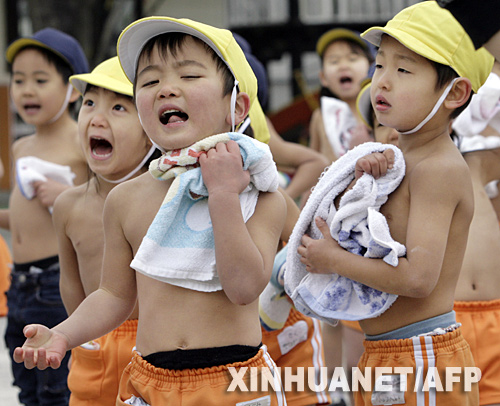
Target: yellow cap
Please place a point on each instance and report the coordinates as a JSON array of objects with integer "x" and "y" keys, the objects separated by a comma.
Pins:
[
  {"x": 108, "y": 75},
  {"x": 364, "y": 104},
  {"x": 433, "y": 32},
  {"x": 136, "y": 35},
  {"x": 337, "y": 34}
]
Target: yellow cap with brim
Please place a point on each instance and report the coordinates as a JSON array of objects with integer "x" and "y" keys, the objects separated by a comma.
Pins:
[
  {"x": 136, "y": 35},
  {"x": 108, "y": 75},
  {"x": 364, "y": 104},
  {"x": 338, "y": 34},
  {"x": 433, "y": 32}
]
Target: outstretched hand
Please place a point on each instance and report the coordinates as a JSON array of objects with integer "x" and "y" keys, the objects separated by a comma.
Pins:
[
  {"x": 43, "y": 348},
  {"x": 316, "y": 255},
  {"x": 375, "y": 164}
]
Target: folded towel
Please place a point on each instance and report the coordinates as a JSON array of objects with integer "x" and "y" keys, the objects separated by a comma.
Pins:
[
  {"x": 338, "y": 121},
  {"x": 478, "y": 143},
  {"x": 358, "y": 226},
  {"x": 274, "y": 305},
  {"x": 30, "y": 169},
  {"x": 179, "y": 246},
  {"x": 483, "y": 110}
]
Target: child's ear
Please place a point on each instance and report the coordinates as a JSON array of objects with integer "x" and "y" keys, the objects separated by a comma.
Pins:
[
  {"x": 322, "y": 79},
  {"x": 75, "y": 95},
  {"x": 241, "y": 109},
  {"x": 459, "y": 94}
]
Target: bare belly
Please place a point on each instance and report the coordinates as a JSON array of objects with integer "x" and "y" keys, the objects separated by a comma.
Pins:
[{"x": 173, "y": 318}]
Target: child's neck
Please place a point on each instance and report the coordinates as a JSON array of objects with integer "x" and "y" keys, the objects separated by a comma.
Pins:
[{"x": 60, "y": 126}]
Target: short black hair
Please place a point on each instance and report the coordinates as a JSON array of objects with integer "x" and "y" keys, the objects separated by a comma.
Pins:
[
  {"x": 356, "y": 48},
  {"x": 62, "y": 67},
  {"x": 173, "y": 41},
  {"x": 445, "y": 74}
]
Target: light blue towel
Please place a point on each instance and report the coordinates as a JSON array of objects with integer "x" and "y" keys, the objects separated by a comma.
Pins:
[
  {"x": 179, "y": 246},
  {"x": 358, "y": 226}
]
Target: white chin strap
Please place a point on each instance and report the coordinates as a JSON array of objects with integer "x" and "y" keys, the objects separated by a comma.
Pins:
[
  {"x": 64, "y": 105},
  {"x": 233, "y": 104},
  {"x": 130, "y": 174},
  {"x": 433, "y": 111},
  {"x": 244, "y": 125}
]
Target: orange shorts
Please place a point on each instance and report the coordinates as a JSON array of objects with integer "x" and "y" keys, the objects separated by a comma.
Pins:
[
  {"x": 95, "y": 375},
  {"x": 351, "y": 324},
  {"x": 143, "y": 384},
  {"x": 298, "y": 344},
  {"x": 5, "y": 268},
  {"x": 422, "y": 355},
  {"x": 481, "y": 328}
]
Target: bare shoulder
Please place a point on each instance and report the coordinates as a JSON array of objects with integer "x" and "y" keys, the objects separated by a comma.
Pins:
[
  {"x": 70, "y": 200},
  {"x": 20, "y": 146},
  {"x": 445, "y": 176}
]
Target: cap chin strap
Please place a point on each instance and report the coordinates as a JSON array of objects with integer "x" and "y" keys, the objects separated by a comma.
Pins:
[
  {"x": 64, "y": 105},
  {"x": 244, "y": 125},
  {"x": 133, "y": 172},
  {"x": 433, "y": 111},
  {"x": 233, "y": 105}
]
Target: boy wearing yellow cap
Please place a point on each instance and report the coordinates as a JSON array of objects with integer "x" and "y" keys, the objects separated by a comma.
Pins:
[
  {"x": 426, "y": 67},
  {"x": 46, "y": 163},
  {"x": 116, "y": 149},
  {"x": 202, "y": 245}
]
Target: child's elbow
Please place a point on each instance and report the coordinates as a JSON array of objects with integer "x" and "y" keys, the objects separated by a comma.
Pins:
[{"x": 419, "y": 288}]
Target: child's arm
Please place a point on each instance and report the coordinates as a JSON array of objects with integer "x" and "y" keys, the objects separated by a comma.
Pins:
[
  {"x": 70, "y": 284},
  {"x": 48, "y": 191},
  {"x": 434, "y": 195},
  {"x": 4, "y": 219},
  {"x": 244, "y": 252},
  {"x": 102, "y": 311},
  {"x": 306, "y": 163}
]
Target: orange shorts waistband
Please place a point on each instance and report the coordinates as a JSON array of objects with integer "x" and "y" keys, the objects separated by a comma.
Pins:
[{"x": 477, "y": 306}]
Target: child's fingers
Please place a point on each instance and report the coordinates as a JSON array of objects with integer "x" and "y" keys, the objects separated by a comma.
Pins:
[
  {"x": 18, "y": 355},
  {"x": 323, "y": 227},
  {"x": 390, "y": 156}
]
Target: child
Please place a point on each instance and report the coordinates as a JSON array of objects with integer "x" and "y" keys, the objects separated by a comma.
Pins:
[
  {"x": 40, "y": 67},
  {"x": 345, "y": 62},
  {"x": 116, "y": 149},
  {"x": 429, "y": 213},
  {"x": 198, "y": 299}
]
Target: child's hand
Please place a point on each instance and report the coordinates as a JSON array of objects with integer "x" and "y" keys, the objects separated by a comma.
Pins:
[
  {"x": 43, "y": 348},
  {"x": 316, "y": 254},
  {"x": 222, "y": 169},
  {"x": 47, "y": 191},
  {"x": 375, "y": 164}
]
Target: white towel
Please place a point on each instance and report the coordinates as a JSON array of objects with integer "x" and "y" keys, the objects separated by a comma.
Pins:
[
  {"x": 30, "y": 169},
  {"x": 483, "y": 110},
  {"x": 179, "y": 246},
  {"x": 338, "y": 121},
  {"x": 358, "y": 226}
]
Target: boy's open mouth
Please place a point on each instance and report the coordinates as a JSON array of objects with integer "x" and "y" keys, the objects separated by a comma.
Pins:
[
  {"x": 30, "y": 108},
  {"x": 345, "y": 80},
  {"x": 100, "y": 147},
  {"x": 173, "y": 116}
]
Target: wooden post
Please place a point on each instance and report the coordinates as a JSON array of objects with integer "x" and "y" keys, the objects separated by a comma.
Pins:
[{"x": 5, "y": 136}]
